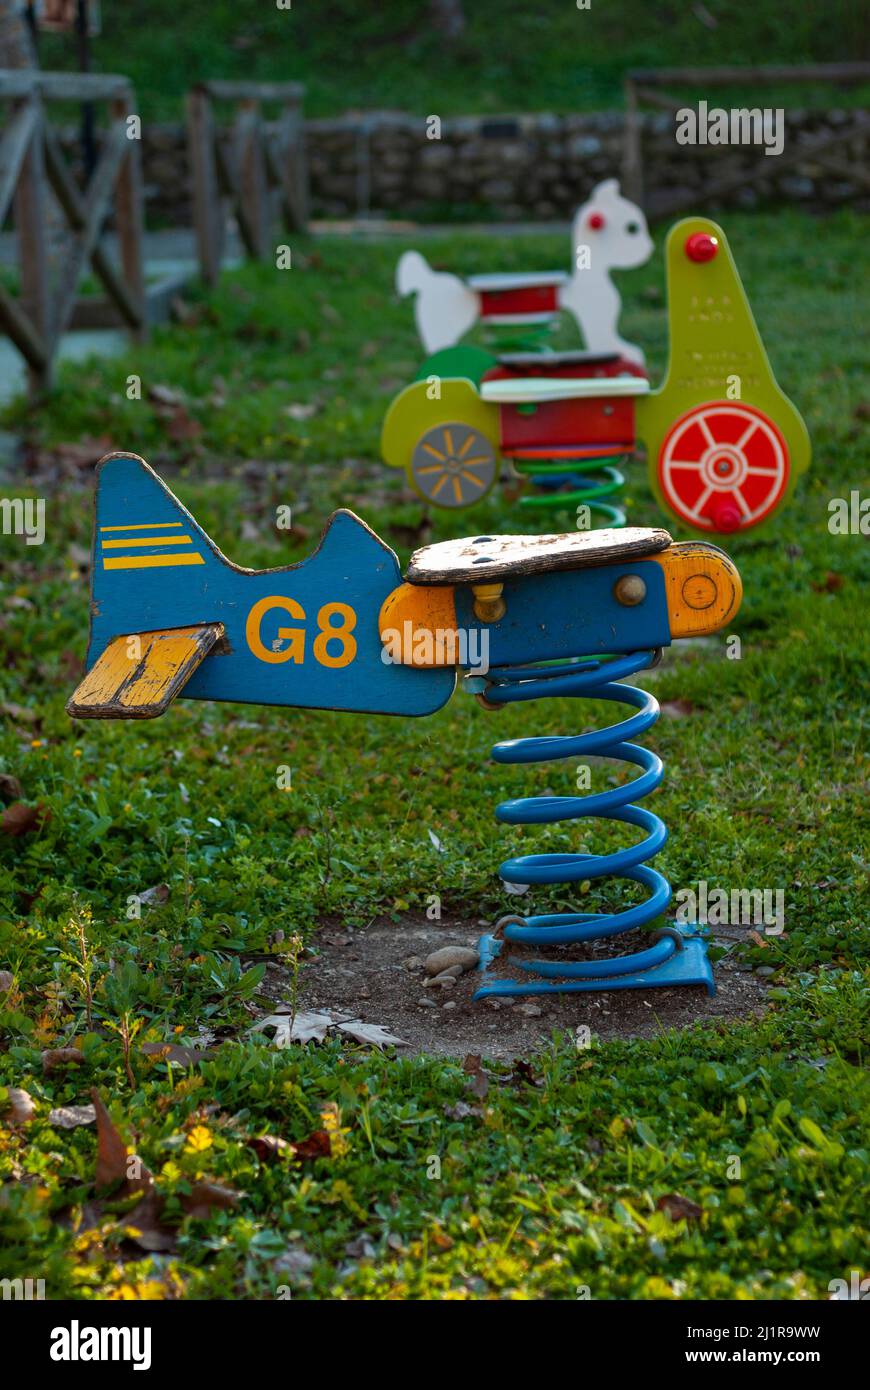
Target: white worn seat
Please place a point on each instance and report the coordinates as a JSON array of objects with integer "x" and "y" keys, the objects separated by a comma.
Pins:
[
  {"x": 536, "y": 390},
  {"x": 479, "y": 559},
  {"x": 536, "y": 360}
]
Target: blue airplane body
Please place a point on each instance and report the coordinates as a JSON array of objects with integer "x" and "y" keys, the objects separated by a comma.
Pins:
[{"x": 155, "y": 568}]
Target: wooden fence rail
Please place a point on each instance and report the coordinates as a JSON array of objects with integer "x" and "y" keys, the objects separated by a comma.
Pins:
[
  {"x": 31, "y": 160},
  {"x": 642, "y": 87},
  {"x": 254, "y": 167}
]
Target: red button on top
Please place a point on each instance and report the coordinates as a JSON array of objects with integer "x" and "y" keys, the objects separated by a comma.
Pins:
[
  {"x": 700, "y": 246},
  {"x": 596, "y": 221},
  {"x": 726, "y": 516}
]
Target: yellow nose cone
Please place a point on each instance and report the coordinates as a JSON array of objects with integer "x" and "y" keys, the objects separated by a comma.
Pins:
[
  {"x": 703, "y": 587},
  {"x": 417, "y": 625}
]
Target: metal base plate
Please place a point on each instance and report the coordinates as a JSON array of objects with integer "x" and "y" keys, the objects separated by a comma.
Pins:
[{"x": 690, "y": 966}]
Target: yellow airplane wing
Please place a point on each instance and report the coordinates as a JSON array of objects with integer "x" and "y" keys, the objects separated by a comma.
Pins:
[{"x": 139, "y": 674}]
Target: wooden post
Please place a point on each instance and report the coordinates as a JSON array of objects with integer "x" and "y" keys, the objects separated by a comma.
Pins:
[
  {"x": 292, "y": 165},
  {"x": 207, "y": 209},
  {"x": 632, "y": 159},
  {"x": 14, "y": 144},
  {"x": 128, "y": 212},
  {"x": 30, "y": 158},
  {"x": 30, "y": 210},
  {"x": 96, "y": 205},
  {"x": 246, "y": 166},
  {"x": 73, "y": 205},
  {"x": 250, "y": 178}
]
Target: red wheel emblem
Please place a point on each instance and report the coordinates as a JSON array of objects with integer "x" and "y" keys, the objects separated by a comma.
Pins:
[{"x": 723, "y": 466}]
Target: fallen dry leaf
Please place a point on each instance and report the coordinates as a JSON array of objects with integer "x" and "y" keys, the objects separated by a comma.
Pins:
[
  {"x": 158, "y": 894},
  {"x": 7, "y": 980},
  {"x": 461, "y": 1110},
  {"x": 317, "y": 1145},
  {"x": 21, "y": 819},
  {"x": 371, "y": 1033},
  {"x": 303, "y": 1028},
  {"x": 205, "y": 1196},
  {"x": 831, "y": 583},
  {"x": 524, "y": 1074},
  {"x": 112, "y": 1155},
  {"x": 144, "y": 1225},
  {"x": 69, "y": 1116},
  {"x": 677, "y": 709},
  {"x": 55, "y": 1057},
  {"x": 679, "y": 1208},
  {"x": 315, "y": 1026},
  {"x": 20, "y": 1104},
  {"x": 182, "y": 426},
  {"x": 478, "y": 1081},
  {"x": 164, "y": 395},
  {"x": 269, "y": 1147}
]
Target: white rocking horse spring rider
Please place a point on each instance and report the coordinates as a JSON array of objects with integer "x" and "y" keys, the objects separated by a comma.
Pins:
[{"x": 608, "y": 233}]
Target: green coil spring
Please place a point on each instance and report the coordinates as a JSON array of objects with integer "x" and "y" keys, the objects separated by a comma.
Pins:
[{"x": 558, "y": 489}]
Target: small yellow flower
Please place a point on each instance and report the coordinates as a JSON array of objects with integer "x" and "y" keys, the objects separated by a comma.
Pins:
[
  {"x": 198, "y": 1140},
  {"x": 77, "y": 752},
  {"x": 330, "y": 1118},
  {"x": 36, "y": 743}
]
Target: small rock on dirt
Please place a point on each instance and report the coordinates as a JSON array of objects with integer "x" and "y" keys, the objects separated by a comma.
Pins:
[
  {"x": 449, "y": 956},
  {"x": 446, "y": 980}
]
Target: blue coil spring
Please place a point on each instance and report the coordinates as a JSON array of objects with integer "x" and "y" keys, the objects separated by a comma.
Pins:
[{"x": 596, "y": 679}]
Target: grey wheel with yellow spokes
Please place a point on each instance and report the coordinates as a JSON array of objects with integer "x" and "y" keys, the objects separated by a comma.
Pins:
[{"x": 453, "y": 465}]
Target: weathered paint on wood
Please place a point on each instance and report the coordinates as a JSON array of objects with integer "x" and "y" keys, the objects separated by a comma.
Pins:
[
  {"x": 483, "y": 558},
  {"x": 302, "y": 635},
  {"x": 140, "y": 674},
  {"x": 686, "y": 590},
  {"x": 171, "y": 615},
  {"x": 703, "y": 586},
  {"x": 29, "y": 156},
  {"x": 244, "y": 166}
]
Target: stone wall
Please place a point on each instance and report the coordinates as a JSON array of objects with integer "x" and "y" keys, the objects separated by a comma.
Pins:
[{"x": 536, "y": 166}]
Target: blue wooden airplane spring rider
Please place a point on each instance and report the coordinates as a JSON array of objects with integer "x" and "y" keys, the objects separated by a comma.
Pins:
[{"x": 520, "y": 617}]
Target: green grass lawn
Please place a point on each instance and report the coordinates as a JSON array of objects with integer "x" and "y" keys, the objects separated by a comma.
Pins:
[
  {"x": 514, "y": 55},
  {"x": 548, "y": 1185}
]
